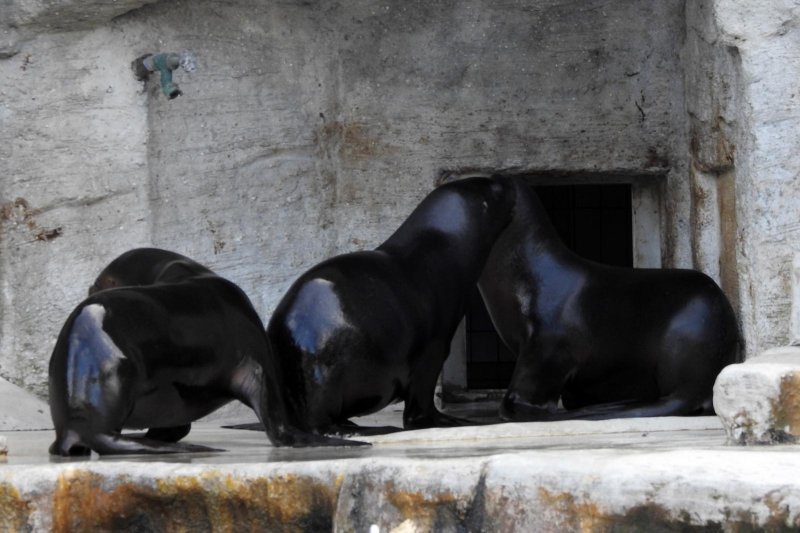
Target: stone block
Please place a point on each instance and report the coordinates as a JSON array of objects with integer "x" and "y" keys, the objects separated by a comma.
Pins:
[{"x": 758, "y": 401}]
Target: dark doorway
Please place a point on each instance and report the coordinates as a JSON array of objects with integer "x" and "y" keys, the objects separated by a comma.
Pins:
[{"x": 594, "y": 221}]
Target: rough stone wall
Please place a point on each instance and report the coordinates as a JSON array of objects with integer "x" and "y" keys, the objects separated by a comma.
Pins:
[
  {"x": 750, "y": 126},
  {"x": 308, "y": 129},
  {"x": 714, "y": 121}
]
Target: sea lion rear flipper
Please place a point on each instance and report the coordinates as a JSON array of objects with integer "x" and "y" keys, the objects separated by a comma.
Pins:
[{"x": 668, "y": 406}]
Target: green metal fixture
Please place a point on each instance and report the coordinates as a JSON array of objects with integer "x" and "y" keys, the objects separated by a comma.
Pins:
[{"x": 164, "y": 63}]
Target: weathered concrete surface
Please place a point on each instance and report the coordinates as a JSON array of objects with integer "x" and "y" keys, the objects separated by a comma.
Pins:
[
  {"x": 669, "y": 474},
  {"x": 764, "y": 40},
  {"x": 22, "y": 410},
  {"x": 758, "y": 401},
  {"x": 716, "y": 121},
  {"x": 69, "y": 15},
  {"x": 308, "y": 129}
]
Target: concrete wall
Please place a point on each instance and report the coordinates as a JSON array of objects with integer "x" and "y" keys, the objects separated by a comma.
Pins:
[{"x": 313, "y": 128}]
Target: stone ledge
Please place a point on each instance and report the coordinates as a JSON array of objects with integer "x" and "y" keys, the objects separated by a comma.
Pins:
[
  {"x": 758, "y": 401},
  {"x": 525, "y": 491},
  {"x": 654, "y": 474}
]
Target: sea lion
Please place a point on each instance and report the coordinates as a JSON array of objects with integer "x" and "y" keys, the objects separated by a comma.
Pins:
[
  {"x": 145, "y": 266},
  {"x": 608, "y": 341},
  {"x": 160, "y": 356},
  {"x": 365, "y": 329}
]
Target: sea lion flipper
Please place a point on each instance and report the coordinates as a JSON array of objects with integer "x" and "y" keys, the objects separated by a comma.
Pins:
[
  {"x": 669, "y": 406},
  {"x": 249, "y": 426},
  {"x": 436, "y": 419},
  {"x": 348, "y": 428},
  {"x": 304, "y": 439},
  {"x": 171, "y": 434},
  {"x": 109, "y": 443}
]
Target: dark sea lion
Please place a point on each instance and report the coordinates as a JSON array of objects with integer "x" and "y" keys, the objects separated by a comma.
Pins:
[
  {"x": 609, "y": 342},
  {"x": 145, "y": 266},
  {"x": 362, "y": 330},
  {"x": 160, "y": 356}
]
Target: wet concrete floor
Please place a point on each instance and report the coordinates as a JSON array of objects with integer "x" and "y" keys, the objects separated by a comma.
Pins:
[{"x": 244, "y": 446}]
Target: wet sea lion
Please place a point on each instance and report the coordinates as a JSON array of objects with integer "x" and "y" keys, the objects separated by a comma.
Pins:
[
  {"x": 609, "y": 342},
  {"x": 145, "y": 266},
  {"x": 365, "y": 329},
  {"x": 160, "y": 356}
]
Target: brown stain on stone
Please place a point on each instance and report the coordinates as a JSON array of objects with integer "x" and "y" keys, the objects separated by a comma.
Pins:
[
  {"x": 20, "y": 212},
  {"x": 574, "y": 515},
  {"x": 729, "y": 230},
  {"x": 779, "y": 514},
  {"x": 588, "y": 517},
  {"x": 14, "y": 510},
  {"x": 426, "y": 511},
  {"x": 655, "y": 159},
  {"x": 712, "y": 151},
  {"x": 786, "y": 408},
  {"x": 351, "y": 140},
  {"x": 87, "y": 501},
  {"x": 698, "y": 207}
]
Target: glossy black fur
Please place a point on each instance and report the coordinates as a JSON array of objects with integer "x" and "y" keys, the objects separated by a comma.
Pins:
[
  {"x": 146, "y": 266},
  {"x": 362, "y": 330},
  {"x": 170, "y": 344},
  {"x": 608, "y": 341}
]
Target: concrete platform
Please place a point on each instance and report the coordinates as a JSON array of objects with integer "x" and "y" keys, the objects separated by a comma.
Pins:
[{"x": 648, "y": 474}]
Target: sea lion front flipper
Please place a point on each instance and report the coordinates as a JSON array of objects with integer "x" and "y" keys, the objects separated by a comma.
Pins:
[
  {"x": 349, "y": 427},
  {"x": 172, "y": 434},
  {"x": 249, "y": 426},
  {"x": 116, "y": 444}
]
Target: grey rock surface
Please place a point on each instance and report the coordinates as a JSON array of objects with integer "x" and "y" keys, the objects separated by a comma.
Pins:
[
  {"x": 311, "y": 129},
  {"x": 307, "y": 130},
  {"x": 758, "y": 401},
  {"x": 21, "y": 410}
]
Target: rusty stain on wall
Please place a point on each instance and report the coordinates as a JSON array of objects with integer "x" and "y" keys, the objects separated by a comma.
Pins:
[
  {"x": 711, "y": 150},
  {"x": 588, "y": 517},
  {"x": 729, "y": 230},
  {"x": 786, "y": 409},
  {"x": 14, "y": 510},
  {"x": 87, "y": 501},
  {"x": 424, "y": 511},
  {"x": 351, "y": 140},
  {"x": 19, "y": 212},
  {"x": 573, "y": 514}
]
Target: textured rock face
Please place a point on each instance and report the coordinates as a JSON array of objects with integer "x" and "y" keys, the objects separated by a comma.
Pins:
[
  {"x": 308, "y": 129},
  {"x": 544, "y": 490},
  {"x": 759, "y": 401},
  {"x": 68, "y": 15}
]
